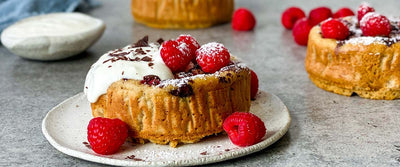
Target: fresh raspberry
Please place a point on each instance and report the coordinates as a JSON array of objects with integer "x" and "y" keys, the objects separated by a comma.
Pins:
[
  {"x": 290, "y": 16},
  {"x": 343, "y": 12},
  {"x": 244, "y": 129},
  {"x": 191, "y": 42},
  {"x": 151, "y": 80},
  {"x": 319, "y": 14},
  {"x": 175, "y": 55},
  {"x": 254, "y": 85},
  {"x": 364, "y": 9},
  {"x": 335, "y": 29},
  {"x": 374, "y": 24},
  {"x": 301, "y": 29},
  {"x": 106, "y": 135},
  {"x": 212, "y": 57},
  {"x": 243, "y": 20}
]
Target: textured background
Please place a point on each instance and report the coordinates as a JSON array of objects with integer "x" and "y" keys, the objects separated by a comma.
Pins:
[{"x": 326, "y": 130}]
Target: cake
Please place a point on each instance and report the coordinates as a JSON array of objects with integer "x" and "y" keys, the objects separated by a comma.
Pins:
[
  {"x": 134, "y": 85},
  {"x": 182, "y": 14},
  {"x": 364, "y": 65}
]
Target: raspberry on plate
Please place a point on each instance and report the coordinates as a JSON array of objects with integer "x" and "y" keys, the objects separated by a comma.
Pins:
[
  {"x": 243, "y": 20},
  {"x": 301, "y": 29},
  {"x": 319, "y": 14},
  {"x": 290, "y": 16},
  {"x": 335, "y": 29},
  {"x": 175, "y": 55},
  {"x": 254, "y": 85},
  {"x": 374, "y": 24},
  {"x": 343, "y": 12},
  {"x": 364, "y": 9},
  {"x": 191, "y": 42},
  {"x": 244, "y": 128},
  {"x": 212, "y": 57},
  {"x": 106, "y": 135}
]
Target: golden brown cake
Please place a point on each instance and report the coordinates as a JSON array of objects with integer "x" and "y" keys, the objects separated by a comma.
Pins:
[
  {"x": 187, "y": 14},
  {"x": 367, "y": 66},
  {"x": 181, "y": 109}
]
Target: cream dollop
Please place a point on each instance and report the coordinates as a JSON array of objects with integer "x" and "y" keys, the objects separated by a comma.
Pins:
[{"x": 130, "y": 63}]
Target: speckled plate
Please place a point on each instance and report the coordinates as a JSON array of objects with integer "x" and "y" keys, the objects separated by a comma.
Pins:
[{"x": 65, "y": 128}]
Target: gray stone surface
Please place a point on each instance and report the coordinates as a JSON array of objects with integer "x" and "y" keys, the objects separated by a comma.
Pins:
[{"x": 327, "y": 129}]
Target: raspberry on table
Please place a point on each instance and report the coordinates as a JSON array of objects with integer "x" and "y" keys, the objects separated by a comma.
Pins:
[
  {"x": 343, "y": 12},
  {"x": 191, "y": 42},
  {"x": 243, "y": 20},
  {"x": 301, "y": 29},
  {"x": 212, "y": 57},
  {"x": 175, "y": 55},
  {"x": 244, "y": 128},
  {"x": 364, "y": 9},
  {"x": 374, "y": 24},
  {"x": 319, "y": 14},
  {"x": 106, "y": 135},
  {"x": 333, "y": 28},
  {"x": 290, "y": 16},
  {"x": 254, "y": 85}
]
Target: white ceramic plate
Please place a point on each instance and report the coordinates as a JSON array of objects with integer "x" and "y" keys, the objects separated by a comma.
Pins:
[{"x": 65, "y": 128}]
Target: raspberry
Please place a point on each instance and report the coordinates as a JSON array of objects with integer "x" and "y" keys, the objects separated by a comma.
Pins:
[
  {"x": 335, "y": 29},
  {"x": 301, "y": 29},
  {"x": 364, "y": 9},
  {"x": 175, "y": 55},
  {"x": 106, "y": 135},
  {"x": 374, "y": 24},
  {"x": 191, "y": 42},
  {"x": 254, "y": 85},
  {"x": 319, "y": 14},
  {"x": 212, "y": 57},
  {"x": 343, "y": 12},
  {"x": 151, "y": 80},
  {"x": 244, "y": 129},
  {"x": 243, "y": 20},
  {"x": 290, "y": 16}
]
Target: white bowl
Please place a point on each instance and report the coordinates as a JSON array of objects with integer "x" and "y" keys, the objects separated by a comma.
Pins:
[{"x": 52, "y": 36}]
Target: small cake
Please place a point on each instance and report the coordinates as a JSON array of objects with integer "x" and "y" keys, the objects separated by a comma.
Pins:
[
  {"x": 135, "y": 85},
  {"x": 364, "y": 64},
  {"x": 187, "y": 14}
]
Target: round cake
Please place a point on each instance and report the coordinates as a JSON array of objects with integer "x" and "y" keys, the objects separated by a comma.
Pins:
[
  {"x": 188, "y": 14},
  {"x": 134, "y": 85},
  {"x": 364, "y": 65}
]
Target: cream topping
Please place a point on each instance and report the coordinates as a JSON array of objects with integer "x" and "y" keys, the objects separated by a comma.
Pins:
[{"x": 126, "y": 63}]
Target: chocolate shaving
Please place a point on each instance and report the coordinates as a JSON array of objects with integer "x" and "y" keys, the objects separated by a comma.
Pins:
[
  {"x": 146, "y": 58},
  {"x": 116, "y": 54},
  {"x": 142, "y": 42},
  {"x": 183, "y": 91},
  {"x": 160, "y": 41},
  {"x": 151, "y": 64},
  {"x": 140, "y": 51},
  {"x": 204, "y": 153}
]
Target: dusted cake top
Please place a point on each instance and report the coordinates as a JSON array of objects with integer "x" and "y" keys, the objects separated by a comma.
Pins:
[
  {"x": 131, "y": 62},
  {"x": 356, "y": 35}
]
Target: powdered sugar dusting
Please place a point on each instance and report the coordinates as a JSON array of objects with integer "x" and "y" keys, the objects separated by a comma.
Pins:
[{"x": 357, "y": 37}]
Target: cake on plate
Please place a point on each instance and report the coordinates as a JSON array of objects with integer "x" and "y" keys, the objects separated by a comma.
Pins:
[
  {"x": 160, "y": 105},
  {"x": 363, "y": 63},
  {"x": 187, "y": 14}
]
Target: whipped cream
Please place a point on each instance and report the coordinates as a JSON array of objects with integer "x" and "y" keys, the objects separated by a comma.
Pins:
[{"x": 126, "y": 63}]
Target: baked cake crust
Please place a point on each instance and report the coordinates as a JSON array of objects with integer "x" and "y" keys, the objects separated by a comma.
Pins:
[
  {"x": 367, "y": 68},
  {"x": 187, "y": 14},
  {"x": 156, "y": 114}
]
